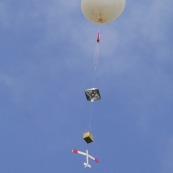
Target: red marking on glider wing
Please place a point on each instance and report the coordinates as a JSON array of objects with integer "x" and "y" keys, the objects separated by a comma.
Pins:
[
  {"x": 75, "y": 151},
  {"x": 96, "y": 160}
]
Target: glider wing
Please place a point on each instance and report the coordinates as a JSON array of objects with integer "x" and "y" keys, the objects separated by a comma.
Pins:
[
  {"x": 78, "y": 152},
  {"x": 91, "y": 157}
]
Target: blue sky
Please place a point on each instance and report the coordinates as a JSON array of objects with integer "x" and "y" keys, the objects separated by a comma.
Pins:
[{"x": 46, "y": 56}]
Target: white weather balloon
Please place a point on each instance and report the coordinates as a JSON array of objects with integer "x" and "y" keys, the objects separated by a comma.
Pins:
[{"x": 102, "y": 11}]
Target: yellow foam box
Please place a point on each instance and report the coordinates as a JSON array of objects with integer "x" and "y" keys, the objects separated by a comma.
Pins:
[{"x": 88, "y": 137}]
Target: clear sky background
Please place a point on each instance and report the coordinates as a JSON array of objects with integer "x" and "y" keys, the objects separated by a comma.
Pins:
[{"x": 46, "y": 58}]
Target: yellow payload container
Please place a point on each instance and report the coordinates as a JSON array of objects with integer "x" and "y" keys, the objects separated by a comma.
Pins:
[{"x": 88, "y": 137}]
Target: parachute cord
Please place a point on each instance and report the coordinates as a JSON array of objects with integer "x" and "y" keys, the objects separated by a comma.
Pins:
[{"x": 96, "y": 61}]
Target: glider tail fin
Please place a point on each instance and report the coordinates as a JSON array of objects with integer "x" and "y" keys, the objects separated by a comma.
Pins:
[{"x": 87, "y": 165}]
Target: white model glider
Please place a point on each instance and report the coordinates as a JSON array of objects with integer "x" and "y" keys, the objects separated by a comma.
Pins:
[{"x": 86, "y": 164}]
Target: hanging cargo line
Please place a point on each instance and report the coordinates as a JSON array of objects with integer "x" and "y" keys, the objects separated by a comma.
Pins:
[
  {"x": 89, "y": 127},
  {"x": 93, "y": 94}
]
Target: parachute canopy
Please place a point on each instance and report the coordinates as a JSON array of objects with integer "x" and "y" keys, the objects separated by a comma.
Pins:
[{"x": 102, "y": 11}]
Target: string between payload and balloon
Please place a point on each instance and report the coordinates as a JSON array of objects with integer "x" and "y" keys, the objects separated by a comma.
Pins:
[
  {"x": 93, "y": 93},
  {"x": 96, "y": 58}
]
